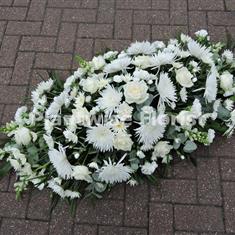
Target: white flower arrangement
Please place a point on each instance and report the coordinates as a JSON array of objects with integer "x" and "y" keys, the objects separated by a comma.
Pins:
[{"x": 122, "y": 116}]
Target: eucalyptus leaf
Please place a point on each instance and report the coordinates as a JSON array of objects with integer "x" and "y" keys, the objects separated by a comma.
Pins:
[{"x": 190, "y": 146}]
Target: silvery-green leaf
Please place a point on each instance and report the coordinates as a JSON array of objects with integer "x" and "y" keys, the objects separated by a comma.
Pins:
[
  {"x": 190, "y": 146},
  {"x": 100, "y": 187},
  {"x": 176, "y": 145}
]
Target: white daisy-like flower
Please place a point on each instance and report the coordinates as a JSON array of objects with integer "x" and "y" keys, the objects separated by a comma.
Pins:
[
  {"x": 132, "y": 182},
  {"x": 19, "y": 115},
  {"x": 44, "y": 86},
  {"x": 151, "y": 132},
  {"x": 71, "y": 194},
  {"x": 81, "y": 173},
  {"x": 166, "y": 89},
  {"x": 163, "y": 58},
  {"x": 183, "y": 94},
  {"x": 49, "y": 141},
  {"x": 117, "y": 65},
  {"x": 114, "y": 172},
  {"x": 149, "y": 167},
  {"x": 203, "y": 119},
  {"x": 101, "y": 137},
  {"x": 145, "y": 48},
  {"x": 59, "y": 160},
  {"x": 201, "y": 52},
  {"x": 56, "y": 188},
  {"x": 202, "y": 33},
  {"x": 196, "y": 108},
  {"x": 110, "y": 99},
  {"x": 210, "y": 136},
  {"x": 142, "y": 75},
  {"x": 159, "y": 44}
]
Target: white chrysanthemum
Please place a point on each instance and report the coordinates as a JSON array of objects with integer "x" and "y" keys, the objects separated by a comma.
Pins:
[
  {"x": 202, "y": 33},
  {"x": 114, "y": 172},
  {"x": 142, "y": 75},
  {"x": 210, "y": 136},
  {"x": 44, "y": 86},
  {"x": 124, "y": 111},
  {"x": 117, "y": 65},
  {"x": 143, "y": 61},
  {"x": 203, "y": 119},
  {"x": 110, "y": 99},
  {"x": 49, "y": 141},
  {"x": 151, "y": 132},
  {"x": 81, "y": 173},
  {"x": 98, "y": 62},
  {"x": 69, "y": 81},
  {"x": 159, "y": 44},
  {"x": 79, "y": 100},
  {"x": 145, "y": 48},
  {"x": 71, "y": 194},
  {"x": 23, "y": 136},
  {"x": 201, "y": 52},
  {"x": 101, "y": 137},
  {"x": 211, "y": 86},
  {"x": 19, "y": 115},
  {"x": 70, "y": 136},
  {"x": 163, "y": 58},
  {"x": 48, "y": 126},
  {"x": 122, "y": 141},
  {"x": 183, "y": 94},
  {"x": 132, "y": 182},
  {"x": 228, "y": 56},
  {"x": 196, "y": 108},
  {"x": 90, "y": 84},
  {"x": 110, "y": 55},
  {"x": 56, "y": 188},
  {"x": 60, "y": 162},
  {"x": 149, "y": 167},
  {"x": 229, "y": 104},
  {"x": 166, "y": 89}
]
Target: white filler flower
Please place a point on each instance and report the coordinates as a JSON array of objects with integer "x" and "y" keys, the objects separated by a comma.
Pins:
[
  {"x": 101, "y": 137},
  {"x": 114, "y": 172}
]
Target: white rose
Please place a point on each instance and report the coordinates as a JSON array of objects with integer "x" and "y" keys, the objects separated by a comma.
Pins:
[
  {"x": 90, "y": 85},
  {"x": 148, "y": 168},
  {"x": 124, "y": 111},
  {"x": 98, "y": 62},
  {"x": 161, "y": 149},
  {"x": 136, "y": 92},
  {"x": 81, "y": 173},
  {"x": 185, "y": 118},
  {"x": 184, "y": 77},
  {"x": 23, "y": 136},
  {"x": 122, "y": 141},
  {"x": 226, "y": 81}
]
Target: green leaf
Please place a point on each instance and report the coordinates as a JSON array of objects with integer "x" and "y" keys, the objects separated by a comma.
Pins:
[
  {"x": 223, "y": 113},
  {"x": 99, "y": 187},
  {"x": 4, "y": 169},
  {"x": 32, "y": 154},
  {"x": 190, "y": 146}
]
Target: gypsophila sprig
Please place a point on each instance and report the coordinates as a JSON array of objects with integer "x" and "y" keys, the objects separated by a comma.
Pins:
[{"x": 122, "y": 116}]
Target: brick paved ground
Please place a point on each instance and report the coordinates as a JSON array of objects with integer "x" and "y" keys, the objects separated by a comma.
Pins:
[{"x": 40, "y": 34}]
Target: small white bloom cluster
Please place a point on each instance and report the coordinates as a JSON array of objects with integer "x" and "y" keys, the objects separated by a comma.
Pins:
[{"x": 122, "y": 115}]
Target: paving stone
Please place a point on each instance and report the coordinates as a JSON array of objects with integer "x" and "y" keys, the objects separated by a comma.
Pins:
[
  {"x": 206, "y": 5},
  {"x": 229, "y": 206},
  {"x": 160, "y": 4},
  {"x": 105, "y": 13},
  {"x": 53, "y": 61},
  {"x": 95, "y": 30},
  {"x": 5, "y": 75},
  {"x": 21, "y": 73},
  {"x": 39, "y": 205},
  {"x": 2, "y": 29},
  {"x": 117, "y": 192},
  {"x": 160, "y": 219},
  {"x": 177, "y": 191},
  {"x": 61, "y": 220},
  {"x": 123, "y": 24},
  {"x": 64, "y": 3},
  {"x": 23, "y": 28},
  {"x": 230, "y": 5},
  {"x": 9, "y": 112},
  {"x": 85, "y": 229},
  {"x": 12, "y": 94},
  {"x": 223, "y": 146},
  {"x": 227, "y": 169},
  {"x": 217, "y": 33},
  {"x": 51, "y": 22},
  {"x": 79, "y": 15},
  {"x": 221, "y": 18},
  {"x": 136, "y": 206},
  {"x": 21, "y": 3},
  {"x": 184, "y": 170},
  {"x": 104, "y": 230},
  {"x": 37, "y": 43},
  {"x": 104, "y": 212},
  {"x": 178, "y": 12},
  {"x": 4, "y": 183},
  {"x": 185, "y": 233},
  {"x": 164, "y": 32},
  {"x": 10, "y": 207},
  {"x": 26, "y": 227},
  {"x": 141, "y": 32},
  {"x": 89, "y": 3},
  {"x": 36, "y": 10},
  {"x": 151, "y": 17},
  {"x": 197, "y": 21},
  {"x": 133, "y": 4},
  {"x": 209, "y": 182},
  {"x": 198, "y": 218},
  {"x": 66, "y": 38},
  {"x": 5, "y": 2},
  {"x": 12, "y": 13},
  {"x": 8, "y": 50}
]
